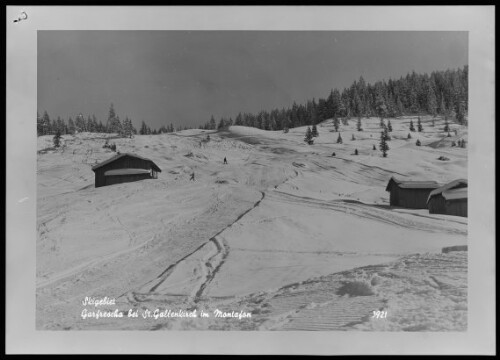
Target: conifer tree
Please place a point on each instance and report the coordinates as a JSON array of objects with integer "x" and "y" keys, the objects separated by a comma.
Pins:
[
  {"x": 117, "y": 126},
  {"x": 336, "y": 124},
  {"x": 412, "y": 128},
  {"x": 446, "y": 125},
  {"x": 89, "y": 125},
  {"x": 442, "y": 107},
  {"x": 374, "y": 147},
  {"x": 111, "y": 118},
  {"x": 386, "y": 134},
  {"x": 80, "y": 123},
  {"x": 95, "y": 124},
  {"x": 336, "y": 104},
  {"x": 358, "y": 125},
  {"x": 342, "y": 111},
  {"x": 355, "y": 151},
  {"x": 399, "y": 107},
  {"x": 127, "y": 128},
  {"x": 314, "y": 131},
  {"x": 57, "y": 139},
  {"x": 144, "y": 129},
  {"x": 339, "y": 139},
  {"x": 431, "y": 102},
  {"x": 409, "y": 136},
  {"x": 45, "y": 123},
  {"x": 71, "y": 126},
  {"x": 460, "y": 112},
  {"x": 419, "y": 125},
  {"x": 39, "y": 126},
  {"x": 389, "y": 126},
  {"x": 381, "y": 107},
  {"x": 60, "y": 125},
  {"x": 308, "y": 138},
  {"x": 418, "y": 143},
  {"x": 212, "y": 123},
  {"x": 353, "y": 138},
  {"x": 383, "y": 144}
]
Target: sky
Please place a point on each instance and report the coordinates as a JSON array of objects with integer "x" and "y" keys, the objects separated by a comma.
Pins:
[{"x": 184, "y": 77}]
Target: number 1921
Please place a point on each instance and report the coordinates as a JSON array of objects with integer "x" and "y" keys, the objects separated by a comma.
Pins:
[{"x": 379, "y": 314}]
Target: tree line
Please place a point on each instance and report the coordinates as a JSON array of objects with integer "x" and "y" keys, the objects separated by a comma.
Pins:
[
  {"x": 442, "y": 93},
  {"x": 48, "y": 126}
]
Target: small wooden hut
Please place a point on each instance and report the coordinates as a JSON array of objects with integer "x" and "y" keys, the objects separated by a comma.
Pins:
[
  {"x": 449, "y": 199},
  {"x": 124, "y": 168},
  {"x": 410, "y": 194}
]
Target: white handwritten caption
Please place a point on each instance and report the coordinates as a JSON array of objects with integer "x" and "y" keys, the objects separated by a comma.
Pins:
[
  {"x": 380, "y": 314},
  {"x": 151, "y": 314}
]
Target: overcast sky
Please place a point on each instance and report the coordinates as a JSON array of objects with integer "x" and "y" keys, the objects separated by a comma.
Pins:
[{"x": 183, "y": 77}]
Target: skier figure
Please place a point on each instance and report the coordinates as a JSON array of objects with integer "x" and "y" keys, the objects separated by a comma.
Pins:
[
  {"x": 192, "y": 176},
  {"x": 225, "y": 160}
]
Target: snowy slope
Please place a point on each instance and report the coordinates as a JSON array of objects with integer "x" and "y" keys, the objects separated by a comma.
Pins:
[{"x": 281, "y": 212}]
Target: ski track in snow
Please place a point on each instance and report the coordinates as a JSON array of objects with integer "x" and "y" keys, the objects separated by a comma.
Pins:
[
  {"x": 210, "y": 266},
  {"x": 367, "y": 212},
  {"x": 81, "y": 267}
]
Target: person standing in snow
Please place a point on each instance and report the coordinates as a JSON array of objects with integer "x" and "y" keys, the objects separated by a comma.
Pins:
[{"x": 225, "y": 160}]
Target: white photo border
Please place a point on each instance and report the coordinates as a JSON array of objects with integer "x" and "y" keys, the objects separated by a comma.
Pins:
[{"x": 21, "y": 43}]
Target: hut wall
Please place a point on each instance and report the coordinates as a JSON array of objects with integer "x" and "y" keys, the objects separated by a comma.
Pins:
[
  {"x": 118, "y": 179},
  {"x": 414, "y": 198},
  {"x": 121, "y": 163},
  {"x": 456, "y": 207},
  {"x": 394, "y": 196},
  {"x": 436, "y": 205}
]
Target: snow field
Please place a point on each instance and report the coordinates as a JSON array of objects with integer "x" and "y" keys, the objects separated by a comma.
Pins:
[{"x": 279, "y": 213}]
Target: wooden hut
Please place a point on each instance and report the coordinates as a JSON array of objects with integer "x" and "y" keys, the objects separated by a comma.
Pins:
[
  {"x": 449, "y": 199},
  {"x": 124, "y": 168},
  {"x": 410, "y": 194}
]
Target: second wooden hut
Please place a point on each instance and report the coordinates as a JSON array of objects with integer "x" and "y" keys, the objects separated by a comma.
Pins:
[{"x": 449, "y": 199}]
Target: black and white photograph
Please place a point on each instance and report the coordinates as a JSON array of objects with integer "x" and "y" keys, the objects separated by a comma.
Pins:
[{"x": 254, "y": 180}]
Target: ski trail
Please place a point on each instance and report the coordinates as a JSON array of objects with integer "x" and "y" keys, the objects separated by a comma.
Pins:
[
  {"x": 405, "y": 220},
  {"x": 191, "y": 275},
  {"x": 79, "y": 268},
  {"x": 212, "y": 266},
  {"x": 205, "y": 261}
]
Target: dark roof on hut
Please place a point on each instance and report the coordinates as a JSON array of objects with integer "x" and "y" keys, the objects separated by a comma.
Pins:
[
  {"x": 118, "y": 156},
  {"x": 126, "y": 172},
  {"x": 455, "y": 184},
  {"x": 427, "y": 184}
]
